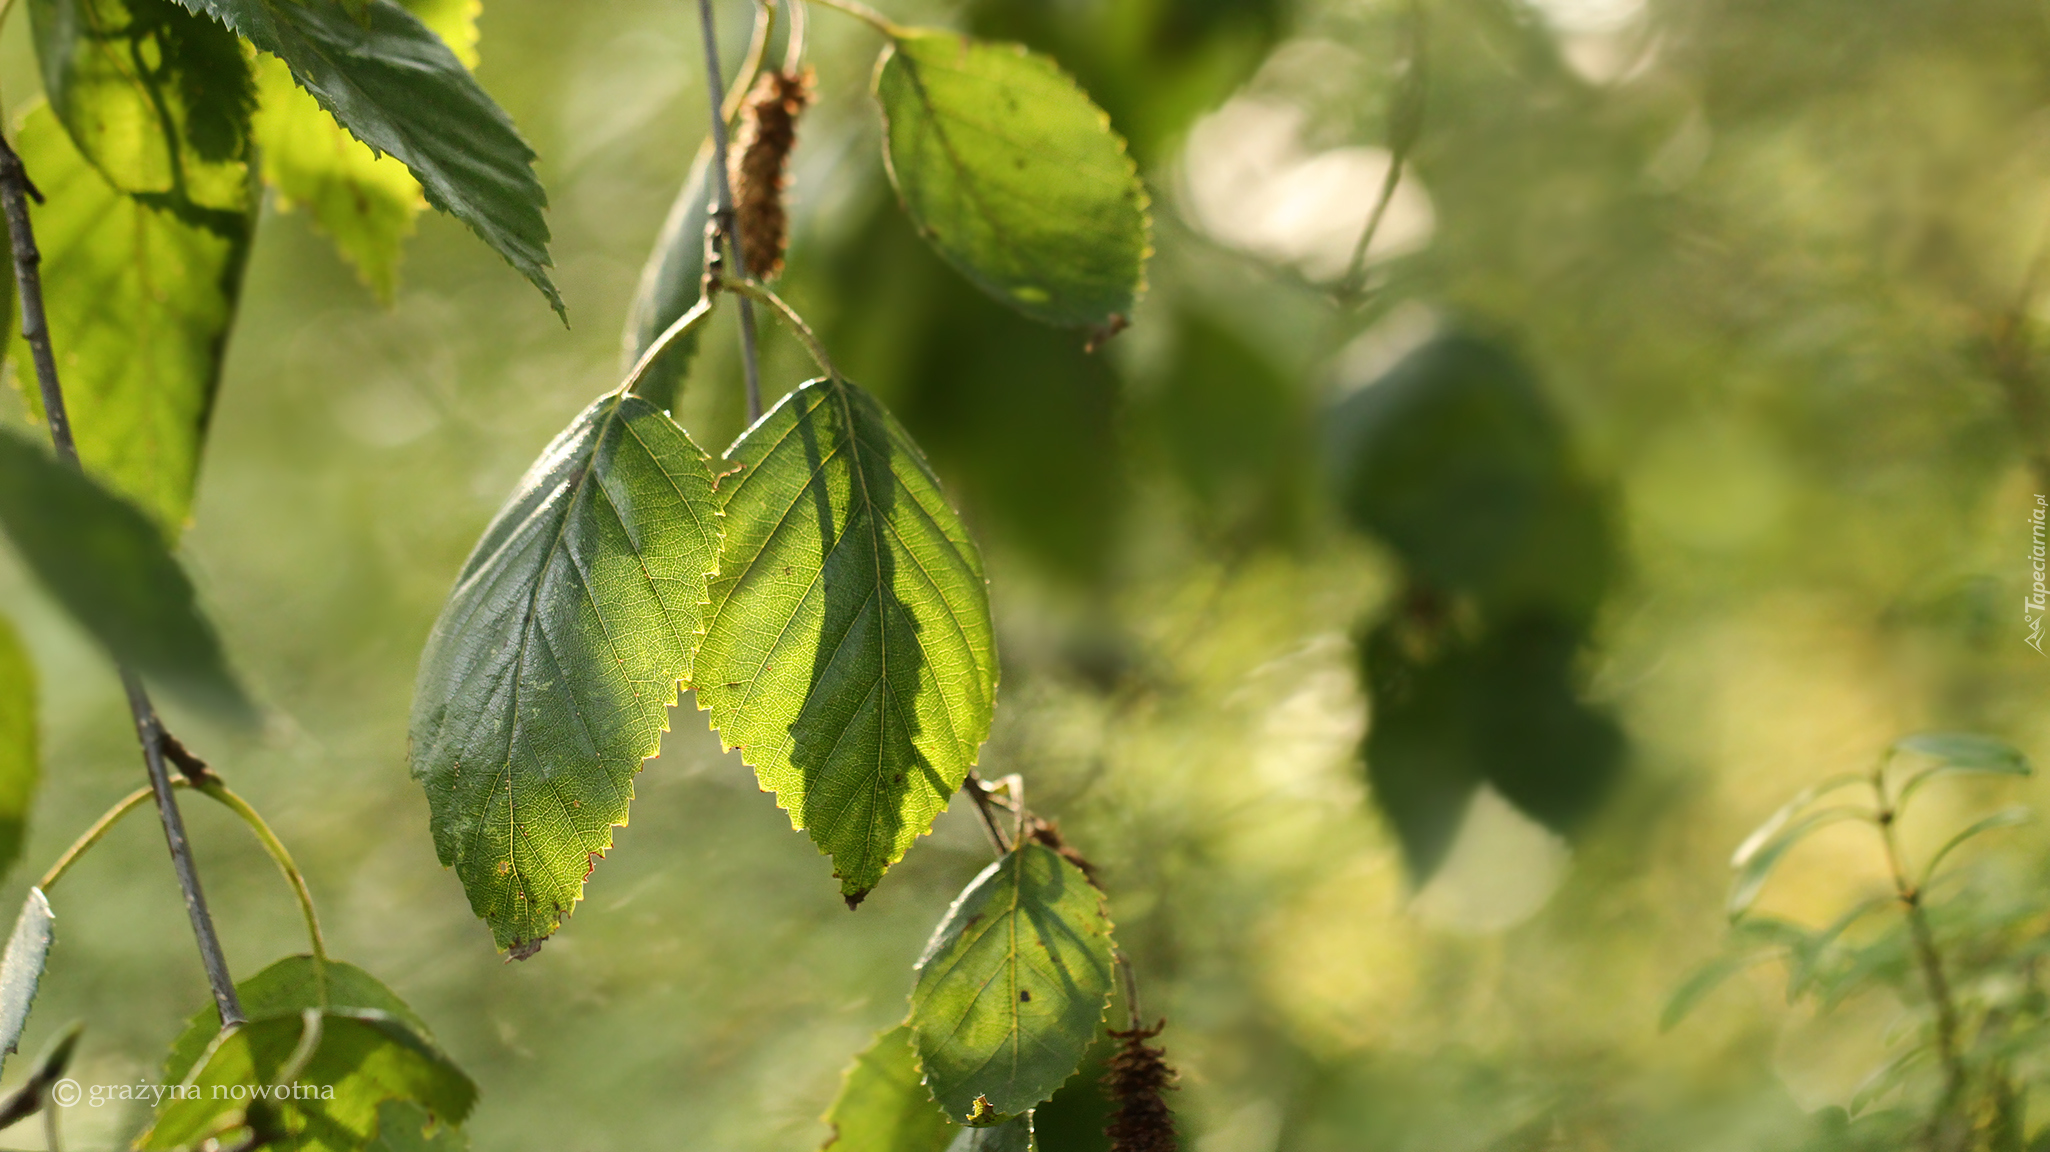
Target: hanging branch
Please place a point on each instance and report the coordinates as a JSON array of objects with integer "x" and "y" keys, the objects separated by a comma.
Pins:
[
  {"x": 1405, "y": 124},
  {"x": 15, "y": 191},
  {"x": 722, "y": 216}
]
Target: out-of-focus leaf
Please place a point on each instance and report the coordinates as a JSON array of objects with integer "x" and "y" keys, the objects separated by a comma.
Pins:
[
  {"x": 1455, "y": 459},
  {"x": 2005, "y": 818},
  {"x": 1778, "y": 820},
  {"x": 1808, "y": 959},
  {"x": 21, "y": 967},
  {"x": 366, "y": 203},
  {"x": 32, "y": 1096},
  {"x": 1449, "y": 713},
  {"x": 1011, "y": 987},
  {"x": 883, "y": 1105},
  {"x": 20, "y": 758},
  {"x": 1757, "y": 868},
  {"x": 140, "y": 292},
  {"x": 1014, "y": 176},
  {"x": 850, "y": 655},
  {"x": 1705, "y": 979},
  {"x": 403, "y": 1126},
  {"x": 1957, "y": 752},
  {"x": 157, "y": 98},
  {"x": 398, "y": 88},
  {"x": 369, "y": 1049},
  {"x": 549, "y": 676},
  {"x": 103, "y": 560},
  {"x": 1888, "y": 1076},
  {"x": 1013, "y": 1135},
  {"x": 671, "y": 284}
]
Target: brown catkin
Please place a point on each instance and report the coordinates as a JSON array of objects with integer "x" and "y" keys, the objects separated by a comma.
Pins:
[
  {"x": 1140, "y": 1120},
  {"x": 760, "y": 160}
]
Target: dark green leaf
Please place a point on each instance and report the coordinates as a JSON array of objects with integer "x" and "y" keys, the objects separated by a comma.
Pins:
[
  {"x": 1012, "y": 987},
  {"x": 1015, "y": 176},
  {"x": 20, "y": 763},
  {"x": 366, "y": 203},
  {"x": 21, "y": 967},
  {"x": 1755, "y": 869},
  {"x": 671, "y": 284},
  {"x": 368, "y": 1048},
  {"x": 141, "y": 291},
  {"x": 1013, "y": 1135},
  {"x": 883, "y": 1105},
  {"x": 549, "y": 677},
  {"x": 398, "y": 88},
  {"x": 106, "y": 563},
  {"x": 850, "y": 655}
]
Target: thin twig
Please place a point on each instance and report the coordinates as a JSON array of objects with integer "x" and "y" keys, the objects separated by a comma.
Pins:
[
  {"x": 1134, "y": 1017},
  {"x": 755, "y": 290},
  {"x": 221, "y": 793},
  {"x": 15, "y": 190},
  {"x": 1927, "y": 958},
  {"x": 1406, "y": 122},
  {"x": 978, "y": 791},
  {"x": 723, "y": 217},
  {"x": 866, "y": 15}
]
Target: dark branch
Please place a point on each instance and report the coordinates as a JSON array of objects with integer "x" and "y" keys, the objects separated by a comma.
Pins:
[{"x": 15, "y": 191}]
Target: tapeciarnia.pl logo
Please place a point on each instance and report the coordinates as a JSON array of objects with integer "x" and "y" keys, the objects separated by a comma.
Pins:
[{"x": 2039, "y": 597}]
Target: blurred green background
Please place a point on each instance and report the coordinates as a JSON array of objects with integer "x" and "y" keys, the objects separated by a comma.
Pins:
[{"x": 1762, "y": 262}]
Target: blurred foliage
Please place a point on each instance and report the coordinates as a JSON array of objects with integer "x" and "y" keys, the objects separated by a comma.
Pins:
[{"x": 1766, "y": 266}]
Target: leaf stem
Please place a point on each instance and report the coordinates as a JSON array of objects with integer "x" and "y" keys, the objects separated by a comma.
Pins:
[
  {"x": 1927, "y": 958},
  {"x": 755, "y": 290},
  {"x": 15, "y": 191},
  {"x": 93, "y": 834},
  {"x": 866, "y": 15},
  {"x": 723, "y": 217},
  {"x": 215, "y": 790},
  {"x": 978, "y": 790},
  {"x": 676, "y": 330},
  {"x": 1406, "y": 124}
]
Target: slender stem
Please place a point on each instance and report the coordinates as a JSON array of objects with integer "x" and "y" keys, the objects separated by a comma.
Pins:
[
  {"x": 1406, "y": 121},
  {"x": 1135, "y": 1017},
  {"x": 866, "y": 15},
  {"x": 754, "y": 290},
  {"x": 793, "y": 47},
  {"x": 1356, "y": 270},
  {"x": 750, "y": 64},
  {"x": 978, "y": 790},
  {"x": 94, "y": 834},
  {"x": 215, "y": 790},
  {"x": 724, "y": 214},
  {"x": 674, "y": 332},
  {"x": 1927, "y": 958},
  {"x": 15, "y": 190}
]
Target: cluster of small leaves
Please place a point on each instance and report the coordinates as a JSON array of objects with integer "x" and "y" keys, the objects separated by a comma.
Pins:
[
  {"x": 1963, "y": 958},
  {"x": 1455, "y": 461}
]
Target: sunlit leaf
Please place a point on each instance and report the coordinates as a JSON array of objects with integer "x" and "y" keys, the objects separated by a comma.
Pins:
[
  {"x": 883, "y": 1105},
  {"x": 366, "y": 203},
  {"x": 403, "y": 1126},
  {"x": 102, "y": 559},
  {"x": 362, "y": 1049},
  {"x": 1015, "y": 176},
  {"x": 670, "y": 285},
  {"x": 1012, "y": 986},
  {"x": 548, "y": 679},
  {"x": 20, "y": 763},
  {"x": 849, "y": 655},
  {"x": 140, "y": 293},
  {"x": 21, "y": 967},
  {"x": 398, "y": 88},
  {"x": 1757, "y": 868},
  {"x": 1013, "y": 1135}
]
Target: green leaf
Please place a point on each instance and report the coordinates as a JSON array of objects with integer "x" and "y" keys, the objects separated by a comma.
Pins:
[
  {"x": 140, "y": 299},
  {"x": 102, "y": 559},
  {"x": 671, "y": 284},
  {"x": 850, "y": 655},
  {"x": 548, "y": 679},
  {"x": 157, "y": 98},
  {"x": 1956, "y": 752},
  {"x": 1771, "y": 827},
  {"x": 1705, "y": 979},
  {"x": 398, "y": 88},
  {"x": 1755, "y": 869},
  {"x": 1015, "y": 176},
  {"x": 20, "y": 764},
  {"x": 1013, "y": 1135},
  {"x": 21, "y": 967},
  {"x": 2005, "y": 818},
  {"x": 368, "y": 204},
  {"x": 325, "y": 1026},
  {"x": 1012, "y": 987},
  {"x": 883, "y": 1105},
  {"x": 403, "y": 1126}
]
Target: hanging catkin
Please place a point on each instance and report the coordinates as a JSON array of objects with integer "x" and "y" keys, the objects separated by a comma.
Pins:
[
  {"x": 1138, "y": 1074},
  {"x": 761, "y": 157}
]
